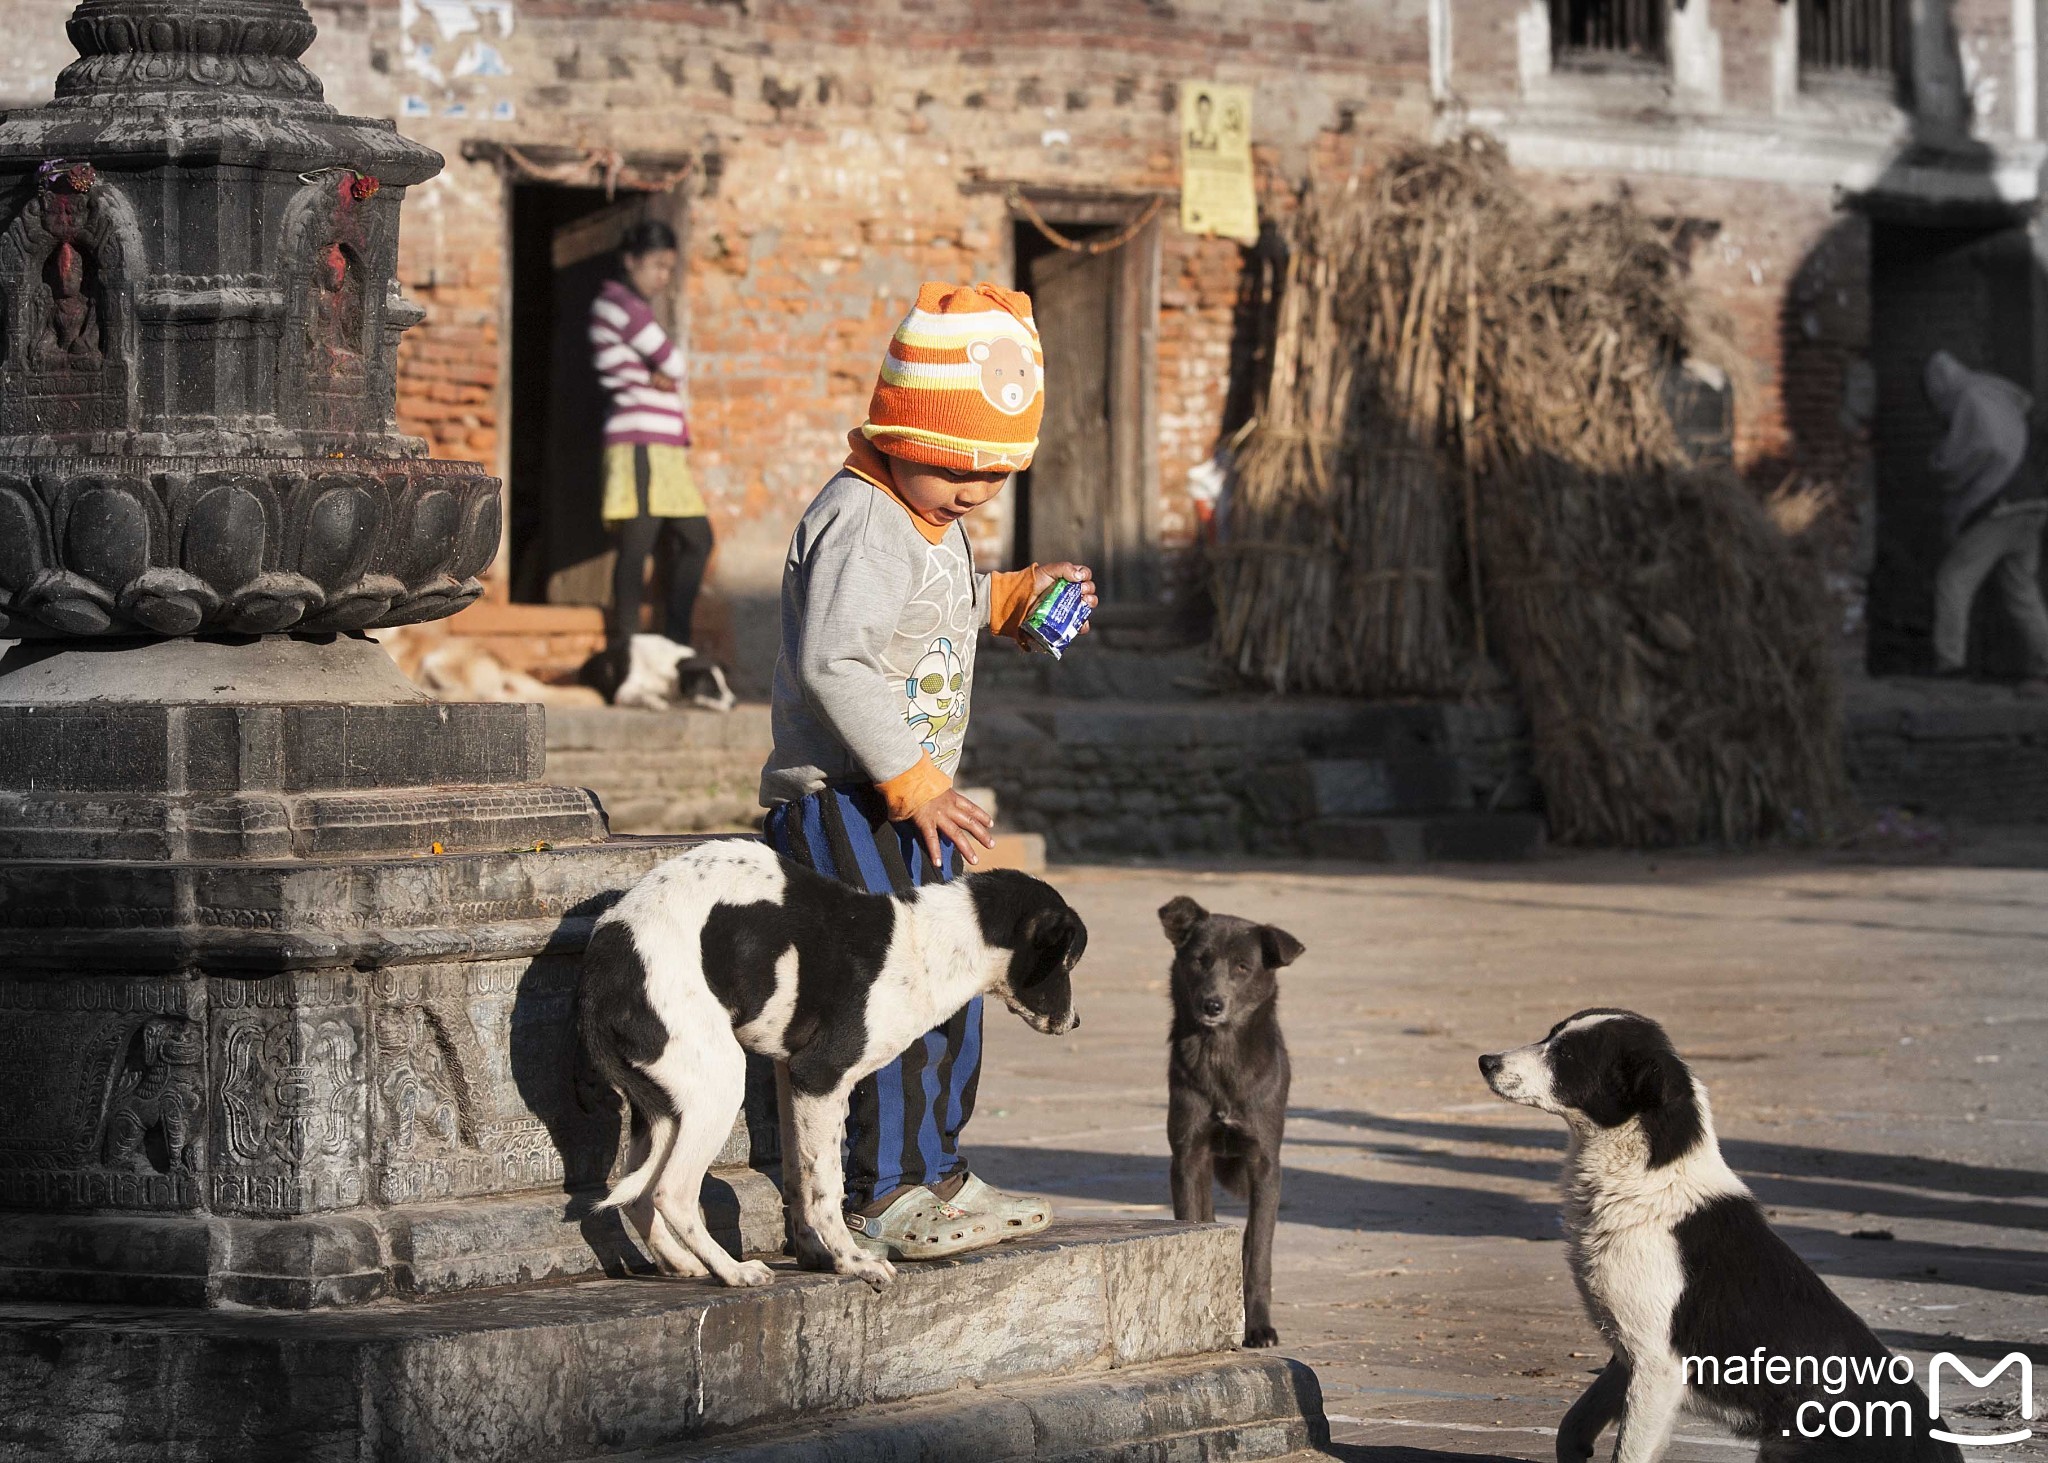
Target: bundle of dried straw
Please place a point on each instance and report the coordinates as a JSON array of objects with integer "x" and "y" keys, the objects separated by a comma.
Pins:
[{"x": 1462, "y": 449}]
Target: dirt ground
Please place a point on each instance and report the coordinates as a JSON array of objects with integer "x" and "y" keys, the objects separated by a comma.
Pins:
[{"x": 1872, "y": 1036}]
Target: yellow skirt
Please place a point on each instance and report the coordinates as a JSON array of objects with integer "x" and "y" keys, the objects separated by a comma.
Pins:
[{"x": 671, "y": 491}]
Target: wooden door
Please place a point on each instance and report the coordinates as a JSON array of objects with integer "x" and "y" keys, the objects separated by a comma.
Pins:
[
  {"x": 1072, "y": 508},
  {"x": 584, "y": 250}
]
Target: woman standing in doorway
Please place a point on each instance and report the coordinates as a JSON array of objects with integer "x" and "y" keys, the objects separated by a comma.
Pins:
[{"x": 651, "y": 503}]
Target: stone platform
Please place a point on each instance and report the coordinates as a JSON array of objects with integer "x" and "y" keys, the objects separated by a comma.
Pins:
[
  {"x": 1213, "y": 1410},
  {"x": 1379, "y": 781},
  {"x": 597, "y": 1368},
  {"x": 1958, "y": 750}
]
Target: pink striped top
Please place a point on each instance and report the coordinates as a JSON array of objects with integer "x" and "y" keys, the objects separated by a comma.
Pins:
[{"x": 628, "y": 347}]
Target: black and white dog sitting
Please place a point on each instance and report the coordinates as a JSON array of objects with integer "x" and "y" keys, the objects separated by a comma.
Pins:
[
  {"x": 731, "y": 948},
  {"x": 1227, "y": 1081},
  {"x": 1684, "y": 1277}
]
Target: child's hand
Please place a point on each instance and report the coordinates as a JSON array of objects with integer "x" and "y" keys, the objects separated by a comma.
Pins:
[
  {"x": 958, "y": 818},
  {"x": 663, "y": 382},
  {"x": 1080, "y": 574}
]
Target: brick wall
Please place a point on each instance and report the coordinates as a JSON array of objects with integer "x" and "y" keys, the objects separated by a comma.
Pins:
[{"x": 843, "y": 134}]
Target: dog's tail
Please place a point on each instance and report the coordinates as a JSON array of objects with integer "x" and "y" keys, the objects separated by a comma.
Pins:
[
  {"x": 1232, "y": 1174},
  {"x": 661, "y": 1141}
]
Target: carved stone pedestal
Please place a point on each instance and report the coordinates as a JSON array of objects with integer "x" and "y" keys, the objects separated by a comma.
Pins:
[
  {"x": 286, "y": 948},
  {"x": 310, "y": 1084},
  {"x": 286, "y": 984}
]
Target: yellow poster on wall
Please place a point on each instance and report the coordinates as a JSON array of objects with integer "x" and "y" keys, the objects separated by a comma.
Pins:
[{"x": 1216, "y": 195}]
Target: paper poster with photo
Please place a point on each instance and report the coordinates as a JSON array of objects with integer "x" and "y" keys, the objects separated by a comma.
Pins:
[{"x": 1216, "y": 195}]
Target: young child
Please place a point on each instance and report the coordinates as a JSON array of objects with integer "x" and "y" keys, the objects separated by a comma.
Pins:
[{"x": 881, "y": 605}]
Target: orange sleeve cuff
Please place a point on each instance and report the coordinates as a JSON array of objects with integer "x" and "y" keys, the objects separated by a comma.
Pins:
[
  {"x": 1009, "y": 600},
  {"x": 906, "y": 792}
]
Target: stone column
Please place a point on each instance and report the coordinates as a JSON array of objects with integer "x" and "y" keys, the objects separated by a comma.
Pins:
[{"x": 286, "y": 948}]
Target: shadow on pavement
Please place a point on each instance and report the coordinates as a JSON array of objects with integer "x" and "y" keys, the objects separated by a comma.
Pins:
[
  {"x": 1747, "y": 1157},
  {"x": 1329, "y": 1201},
  {"x": 1853, "y": 1184},
  {"x": 1988, "y": 1350}
]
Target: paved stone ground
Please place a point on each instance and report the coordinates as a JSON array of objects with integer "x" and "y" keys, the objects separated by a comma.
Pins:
[{"x": 1873, "y": 1037}]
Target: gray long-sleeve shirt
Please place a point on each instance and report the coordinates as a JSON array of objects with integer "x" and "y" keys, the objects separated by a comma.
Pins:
[
  {"x": 1986, "y": 417},
  {"x": 878, "y": 637}
]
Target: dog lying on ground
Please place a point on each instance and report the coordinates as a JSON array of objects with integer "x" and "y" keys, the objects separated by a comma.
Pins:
[
  {"x": 1678, "y": 1268},
  {"x": 660, "y": 672},
  {"x": 1227, "y": 1081},
  {"x": 731, "y": 948}
]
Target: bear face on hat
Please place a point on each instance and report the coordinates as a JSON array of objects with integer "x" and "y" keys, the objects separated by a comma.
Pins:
[{"x": 963, "y": 384}]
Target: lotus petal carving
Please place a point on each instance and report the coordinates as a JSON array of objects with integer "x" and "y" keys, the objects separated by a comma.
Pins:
[{"x": 312, "y": 546}]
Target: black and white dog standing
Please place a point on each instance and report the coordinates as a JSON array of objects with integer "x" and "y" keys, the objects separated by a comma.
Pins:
[
  {"x": 1677, "y": 1266},
  {"x": 730, "y": 948},
  {"x": 1227, "y": 1081}
]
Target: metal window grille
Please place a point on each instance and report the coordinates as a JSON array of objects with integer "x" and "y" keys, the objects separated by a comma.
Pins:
[
  {"x": 1857, "y": 36},
  {"x": 1608, "y": 29}
]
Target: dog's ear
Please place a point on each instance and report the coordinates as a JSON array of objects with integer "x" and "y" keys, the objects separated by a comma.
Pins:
[
  {"x": 1278, "y": 947},
  {"x": 1659, "y": 1079},
  {"x": 1670, "y": 1119},
  {"x": 1179, "y": 915},
  {"x": 1060, "y": 937}
]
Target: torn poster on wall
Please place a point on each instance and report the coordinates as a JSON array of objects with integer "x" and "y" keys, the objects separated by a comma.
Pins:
[
  {"x": 1216, "y": 195},
  {"x": 457, "y": 48}
]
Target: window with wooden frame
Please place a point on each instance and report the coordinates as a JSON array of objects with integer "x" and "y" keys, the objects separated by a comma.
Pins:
[
  {"x": 1851, "y": 38},
  {"x": 1601, "y": 33}
]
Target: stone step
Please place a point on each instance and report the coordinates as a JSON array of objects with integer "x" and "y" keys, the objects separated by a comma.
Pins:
[
  {"x": 1458, "y": 837},
  {"x": 1217, "y": 1409},
  {"x": 613, "y": 729},
  {"x": 1422, "y": 782},
  {"x": 1092, "y": 672},
  {"x": 602, "y": 1367},
  {"x": 678, "y": 771},
  {"x": 1362, "y": 787}
]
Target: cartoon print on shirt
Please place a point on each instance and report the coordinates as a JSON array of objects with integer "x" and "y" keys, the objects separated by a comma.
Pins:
[
  {"x": 937, "y": 689},
  {"x": 935, "y": 637}
]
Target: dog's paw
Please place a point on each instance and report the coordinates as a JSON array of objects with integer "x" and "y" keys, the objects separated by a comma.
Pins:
[
  {"x": 1260, "y": 1336},
  {"x": 811, "y": 1255},
  {"x": 875, "y": 1272},
  {"x": 751, "y": 1273}
]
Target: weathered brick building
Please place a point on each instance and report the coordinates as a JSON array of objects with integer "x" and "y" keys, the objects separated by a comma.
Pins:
[{"x": 1856, "y": 180}]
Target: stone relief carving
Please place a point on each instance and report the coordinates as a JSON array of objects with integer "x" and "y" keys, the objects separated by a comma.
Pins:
[
  {"x": 156, "y": 1091},
  {"x": 290, "y": 1112},
  {"x": 65, "y": 264},
  {"x": 70, "y": 338},
  {"x": 472, "y": 1072},
  {"x": 338, "y": 238},
  {"x": 334, "y": 326},
  {"x": 432, "y": 1074},
  {"x": 108, "y": 1079}
]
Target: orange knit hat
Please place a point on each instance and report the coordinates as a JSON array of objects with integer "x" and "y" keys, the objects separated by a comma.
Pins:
[{"x": 963, "y": 383}]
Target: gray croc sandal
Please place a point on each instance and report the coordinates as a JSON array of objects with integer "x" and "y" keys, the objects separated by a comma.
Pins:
[
  {"x": 1013, "y": 1215},
  {"x": 919, "y": 1225}
]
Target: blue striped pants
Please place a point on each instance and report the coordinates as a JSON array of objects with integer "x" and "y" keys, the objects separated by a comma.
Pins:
[{"x": 903, "y": 1123}]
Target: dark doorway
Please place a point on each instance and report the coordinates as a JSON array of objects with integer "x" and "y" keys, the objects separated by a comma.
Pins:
[
  {"x": 1974, "y": 293},
  {"x": 1091, "y": 493},
  {"x": 564, "y": 241}
]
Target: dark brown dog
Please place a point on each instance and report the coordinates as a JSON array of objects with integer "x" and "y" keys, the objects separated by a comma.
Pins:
[{"x": 1227, "y": 1081}]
